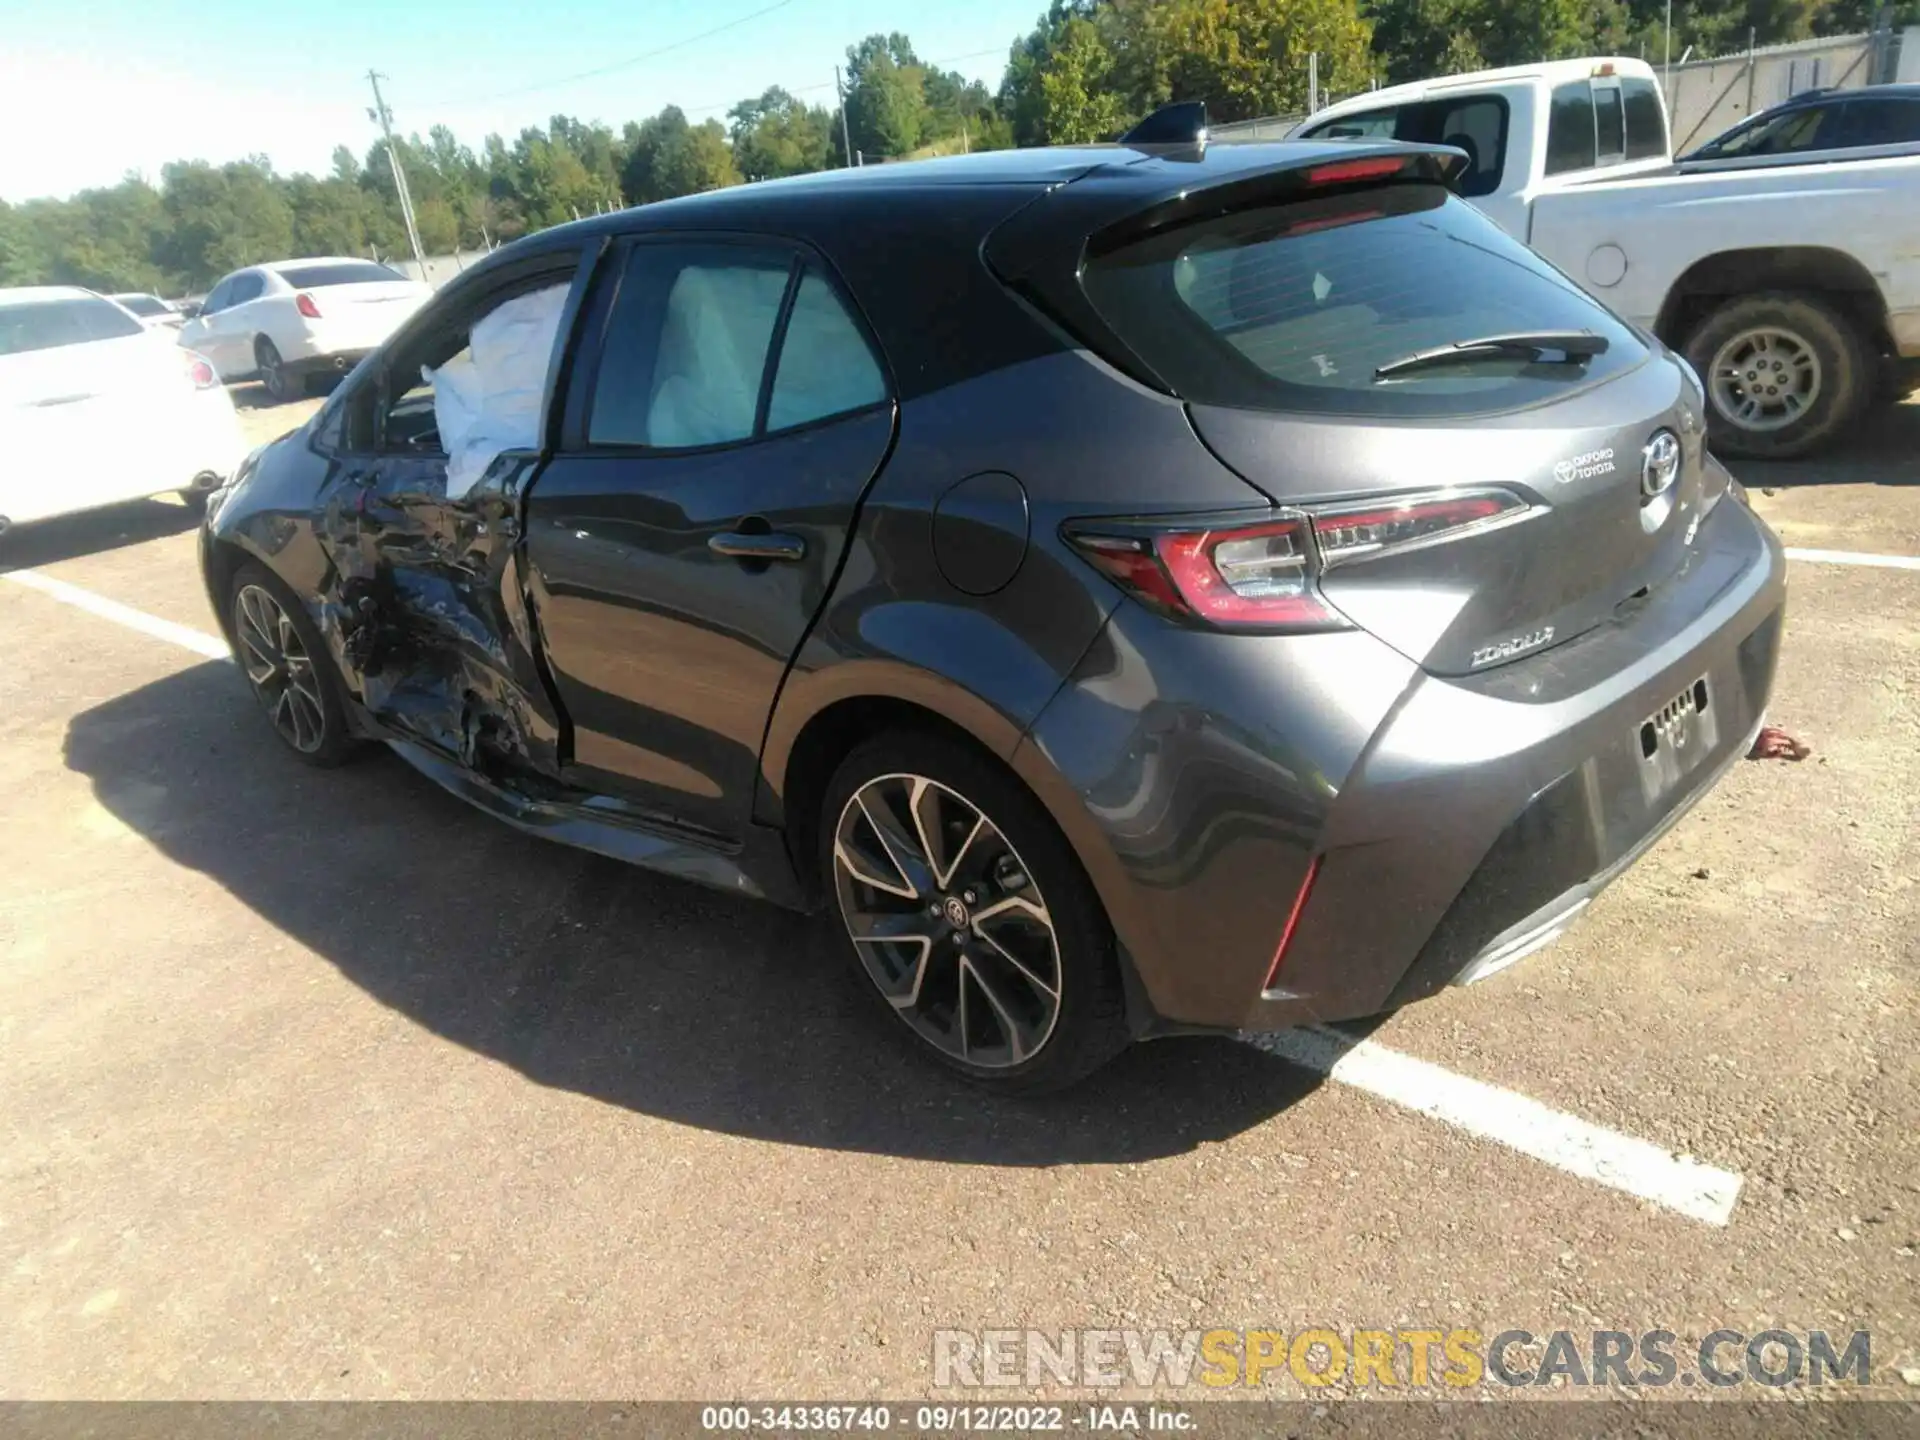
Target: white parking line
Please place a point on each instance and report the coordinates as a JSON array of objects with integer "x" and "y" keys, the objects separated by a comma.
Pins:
[
  {"x": 1566, "y": 1142},
  {"x": 198, "y": 641},
  {"x": 1855, "y": 557},
  {"x": 1563, "y": 1141}
]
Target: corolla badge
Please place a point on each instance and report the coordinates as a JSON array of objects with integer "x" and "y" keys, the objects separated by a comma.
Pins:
[
  {"x": 1659, "y": 463},
  {"x": 1585, "y": 467},
  {"x": 1507, "y": 649}
]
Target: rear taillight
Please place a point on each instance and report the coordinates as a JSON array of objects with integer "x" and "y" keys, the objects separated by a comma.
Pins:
[
  {"x": 1262, "y": 574},
  {"x": 200, "y": 371},
  {"x": 1240, "y": 576},
  {"x": 1373, "y": 527},
  {"x": 303, "y": 302}
]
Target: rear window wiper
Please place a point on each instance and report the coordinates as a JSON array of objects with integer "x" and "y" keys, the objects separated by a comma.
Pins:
[{"x": 1564, "y": 347}]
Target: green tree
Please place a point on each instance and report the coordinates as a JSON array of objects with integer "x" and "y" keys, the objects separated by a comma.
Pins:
[
  {"x": 1248, "y": 58},
  {"x": 701, "y": 161},
  {"x": 332, "y": 216},
  {"x": 777, "y": 135},
  {"x": 17, "y": 267},
  {"x": 221, "y": 219},
  {"x": 666, "y": 157},
  {"x": 1022, "y": 98},
  {"x": 1078, "y": 103},
  {"x": 886, "y": 105},
  {"x": 642, "y": 178}
]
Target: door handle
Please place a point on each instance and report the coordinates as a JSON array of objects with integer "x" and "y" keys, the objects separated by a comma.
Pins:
[{"x": 743, "y": 545}]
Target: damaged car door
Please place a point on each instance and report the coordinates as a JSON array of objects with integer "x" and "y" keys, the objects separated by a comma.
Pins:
[
  {"x": 726, "y": 414},
  {"x": 422, "y": 520}
]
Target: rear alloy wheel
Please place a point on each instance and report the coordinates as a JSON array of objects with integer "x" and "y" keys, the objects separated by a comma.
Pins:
[
  {"x": 273, "y": 370},
  {"x": 969, "y": 915},
  {"x": 1784, "y": 374},
  {"x": 282, "y": 657}
]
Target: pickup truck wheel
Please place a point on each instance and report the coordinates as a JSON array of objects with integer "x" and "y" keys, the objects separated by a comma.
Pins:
[{"x": 1784, "y": 374}]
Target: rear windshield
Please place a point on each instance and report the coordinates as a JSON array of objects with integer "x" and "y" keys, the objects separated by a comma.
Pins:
[
  {"x": 143, "y": 304},
  {"x": 338, "y": 272},
  {"x": 49, "y": 324},
  {"x": 1295, "y": 307}
]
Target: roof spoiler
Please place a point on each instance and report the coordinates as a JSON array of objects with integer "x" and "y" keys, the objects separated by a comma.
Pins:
[{"x": 1182, "y": 123}]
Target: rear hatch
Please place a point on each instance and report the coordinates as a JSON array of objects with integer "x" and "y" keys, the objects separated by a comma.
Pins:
[{"x": 1288, "y": 319}]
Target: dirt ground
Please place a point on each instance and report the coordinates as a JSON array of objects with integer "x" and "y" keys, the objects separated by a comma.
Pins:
[{"x": 325, "y": 1086}]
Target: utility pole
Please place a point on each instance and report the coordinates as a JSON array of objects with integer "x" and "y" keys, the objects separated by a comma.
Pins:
[
  {"x": 1667, "y": 63},
  {"x": 845, "y": 138},
  {"x": 1313, "y": 82},
  {"x": 384, "y": 116}
]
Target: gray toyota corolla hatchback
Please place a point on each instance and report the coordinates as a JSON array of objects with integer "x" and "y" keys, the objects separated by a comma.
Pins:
[{"x": 1129, "y": 590}]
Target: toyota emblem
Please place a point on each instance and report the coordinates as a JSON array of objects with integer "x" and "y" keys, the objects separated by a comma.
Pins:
[{"x": 1659, "y": 464}]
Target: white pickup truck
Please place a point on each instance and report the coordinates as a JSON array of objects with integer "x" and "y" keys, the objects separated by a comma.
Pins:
[{"x": 1793, "y": 289}]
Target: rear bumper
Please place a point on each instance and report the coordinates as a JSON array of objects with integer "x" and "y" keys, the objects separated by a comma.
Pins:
[
  {"x": 190, "y": 446},
  {"x": 332, "y": 362},
  {"x": 1459, "y": 823}
]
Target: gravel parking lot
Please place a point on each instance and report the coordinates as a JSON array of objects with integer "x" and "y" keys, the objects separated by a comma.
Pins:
[{"x": 322, "y": 1085}]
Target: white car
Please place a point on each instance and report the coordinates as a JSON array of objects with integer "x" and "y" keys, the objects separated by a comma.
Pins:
[
  {"x": 294, "y": 319},
  {"x": 96, "y": 409},
  {"x": 150, "y": 310}
]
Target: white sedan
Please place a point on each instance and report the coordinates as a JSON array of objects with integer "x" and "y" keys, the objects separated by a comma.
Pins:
[
  {"x": 95, "y": 408},
  {"x": 293, "y": 319}
]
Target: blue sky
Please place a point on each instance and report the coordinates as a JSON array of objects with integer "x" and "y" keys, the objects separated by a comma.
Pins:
[{"x": 90, "y": 91}]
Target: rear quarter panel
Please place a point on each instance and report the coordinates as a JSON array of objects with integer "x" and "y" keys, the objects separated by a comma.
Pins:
[{"x": 1082, "y": 441}]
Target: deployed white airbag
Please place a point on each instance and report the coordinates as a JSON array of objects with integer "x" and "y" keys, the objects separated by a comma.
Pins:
[{"x": 487, "y": 398}]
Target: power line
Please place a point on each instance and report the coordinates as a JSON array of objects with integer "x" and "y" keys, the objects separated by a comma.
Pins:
[{"x": 625, "y": 64}]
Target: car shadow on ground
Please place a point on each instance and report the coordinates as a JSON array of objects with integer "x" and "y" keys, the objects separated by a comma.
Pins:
[
  {"x": 252, "y": 395},
  {"x": 1883, "y": 449},
  {"x": 594, "y": 977},
  {"x": 66, "y": 537}
]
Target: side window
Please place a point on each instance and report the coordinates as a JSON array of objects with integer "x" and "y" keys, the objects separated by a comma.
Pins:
[
  {"x": 1570, "y": 132},
  {"x": 473, "y": 385},
  {"x": 1811, "y": 127},
  {"x": 686, "y": 346},
  {"x": 1882, "y": 122},
  {"x": 1610, "y": 126},
  {"x": 1646, "y": 120},
  {"x": 245, "y": 288},
  {"x": 1372, "y": 125},
  {"x": 219, "y": 298},
  {"x": 1816, "y": 129},
  {"x": 825, "y": 366},
  {"x": 1479, "y": 127}
]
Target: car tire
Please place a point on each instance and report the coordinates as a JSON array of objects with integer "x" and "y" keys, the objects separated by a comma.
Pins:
[
  {"x": 274, "y": 378},
  {"x": 286, "y": 665},
  {"x": 1760, "y": 355},
  {"x": 980, "y": 1004}
]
